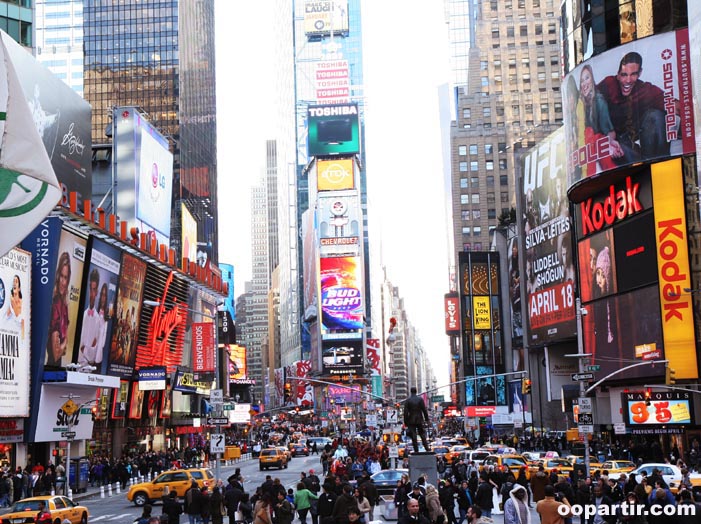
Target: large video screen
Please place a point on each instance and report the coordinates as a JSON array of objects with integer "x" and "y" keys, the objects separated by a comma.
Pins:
[
  {"x": 341, "y": 294},
  {"x": 625, "y": 329},
  {"x": 339, "y": 357},
  {"x": 628, "y": 105},
  {"x": 334, "y": 129}
]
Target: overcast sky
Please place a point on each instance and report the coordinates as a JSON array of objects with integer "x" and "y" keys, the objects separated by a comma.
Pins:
[{"x": 406, "y": 60}]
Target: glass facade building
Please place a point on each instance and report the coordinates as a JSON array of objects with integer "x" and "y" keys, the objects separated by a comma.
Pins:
[
  {"x": 16, "y": 20},
  {"x": 159, "y": 56}
]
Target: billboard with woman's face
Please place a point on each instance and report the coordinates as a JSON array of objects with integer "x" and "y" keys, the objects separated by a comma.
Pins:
[
  {"x": 630, "y": 104},
  {"x": 65, "y": 300}
]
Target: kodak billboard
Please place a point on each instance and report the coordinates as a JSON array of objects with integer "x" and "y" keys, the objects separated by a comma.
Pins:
[{"x": 673, "y": 268}]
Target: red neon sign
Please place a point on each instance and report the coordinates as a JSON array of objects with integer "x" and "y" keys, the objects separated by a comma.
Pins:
[{"x": 165, "y": 325}]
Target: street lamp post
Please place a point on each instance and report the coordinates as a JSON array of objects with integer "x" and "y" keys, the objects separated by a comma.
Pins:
[
  {"x": 581, "y": 355},
  {"x": 218, "y": 413}
]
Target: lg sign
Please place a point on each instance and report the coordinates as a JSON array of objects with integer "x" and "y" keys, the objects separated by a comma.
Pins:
[{"x": 452, "y": 314}]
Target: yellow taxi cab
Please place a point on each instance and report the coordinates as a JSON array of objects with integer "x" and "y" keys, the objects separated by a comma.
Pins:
[
  {"x": 62, "y": 510},
  {"x": 562, "y": 465},
  {"x": 511, "y": 462},
  {"x": 439, "y": 450},
  {"x": 455, "y": 453},
  {"x": 272, "y": 457},
  {"x": 286, "y": 451},
  {"x": 178, "y": 480},
  {"x": 618, "y": 466},
  {"x": 579, "y": 460}
]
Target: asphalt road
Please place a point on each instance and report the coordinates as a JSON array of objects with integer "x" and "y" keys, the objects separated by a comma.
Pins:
[{"x": 117, "y": 509}]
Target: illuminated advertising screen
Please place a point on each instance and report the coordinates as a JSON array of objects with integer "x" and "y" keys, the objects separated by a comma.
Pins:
[
  {"x": 154, "y": 179},
  {"x": 15, "y": 309},
  {"x": 625, "y": 328},
  {"x": 136, "y": 401},
  {"x": 341, "y": 294},
  {"x": 97, "y": 309},
  {"x": 322, "y": 17},
  {"x": 128, "y": 314},
  {"x": 342, "y": 357},
  {"x": 549, "y": 261},
  {"x": 597, "y": 266},
  {"x": 189, "y": 233},
  {"x": 673, "y": 267},
  {"x": 636, "y": 257},
  {"x": 486, "y": 391},
  {"x": 340, "y": 224},
  {"x": 628, "y": 105},
  {"x": 662, "y": 408},
  {"x": 332, "y": 81},
  {"x": 237, "y": 361},
  {"x": 335, "y": 175},
  {"x": 144, "y": 173},
  {"x": 65, "y": 304},
  {"x": 333, "y": 129}
]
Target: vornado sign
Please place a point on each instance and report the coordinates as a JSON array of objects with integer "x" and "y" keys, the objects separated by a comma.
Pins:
[
  {"x": 622, "y": 200},
  {"x": 673, "y": 268}
]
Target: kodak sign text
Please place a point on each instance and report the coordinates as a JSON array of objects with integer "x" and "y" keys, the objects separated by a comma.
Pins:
[{"x": 673, "y": 268}]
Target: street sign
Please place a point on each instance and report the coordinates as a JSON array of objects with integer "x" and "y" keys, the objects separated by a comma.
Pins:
[
  {"x": 217, "y": 443},
  {"x": 619, "y": 428},
  {"x": 437, "y": 398},
  {"x": 216, "y": 396},
  {"x": 586, "y": 419},
  {"x": 392, "y": 416},
  {"x": 518, "y": 424},
  {"x": 584, "y": 404},
  {"x": 584, "y": 429},
  {"x": 217, "y": 421},
  {"x": 228, "y": 407},
  {"x": 393, "y": 452},
  {"x": 594, "y": 367},
  {"x": 68, "y": 435},
  {"x": 582, "y": 376},
  {"x": 371, "y": 420}
]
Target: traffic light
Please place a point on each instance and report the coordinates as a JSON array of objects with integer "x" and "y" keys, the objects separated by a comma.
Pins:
[
  {"x": 288, "y": 392},
  {"x": 385, "y": 437},
  {"x": 396, "y": 438},
  {"x": 93, "y": 413},
  {"x": 670, "y": 377},
  {"x": 526, "y": 386}
]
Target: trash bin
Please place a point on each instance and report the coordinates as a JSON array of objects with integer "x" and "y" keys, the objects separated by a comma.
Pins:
[
  {"x": 78, "y": 473},
  {"x": 389, "y": 510}
]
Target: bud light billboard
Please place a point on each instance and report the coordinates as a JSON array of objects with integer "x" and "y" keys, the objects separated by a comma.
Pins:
[{"x": 342, "y": 308}]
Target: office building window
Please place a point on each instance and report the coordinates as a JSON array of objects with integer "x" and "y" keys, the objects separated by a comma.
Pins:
[
  {"x": 463, "y": 183},
  {"x": 475, "y": 198},
  {"x": 474, "y": 166},
  {"x": 466, "y": 230},
  {"x": 473, "y": 149},
  {"x": 477, "y": 230},
  {"x": 503, "y": 180},
  {"x": 463, "y": 166},
  {"x": 462, "y": 150},
  {"x": 489, "y": 165},
  {"x": 464, "y": 199},
  {"x": 476, "y": 214},
  {"x": 465, "y": 214},
  {"x": 488, "y": 149}
]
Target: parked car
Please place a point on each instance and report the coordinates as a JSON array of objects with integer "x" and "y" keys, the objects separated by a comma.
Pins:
[
  {"x": 62, "y": 509},
  {"x": 671, "y": 474},
  {"x": 178, "y": 480},
  {"x": 386, "y": 480}
]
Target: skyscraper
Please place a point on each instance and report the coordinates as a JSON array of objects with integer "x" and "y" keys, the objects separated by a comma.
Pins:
[
  {"x": 510, "y": 99},
  {"x": 160, "y": 57}
]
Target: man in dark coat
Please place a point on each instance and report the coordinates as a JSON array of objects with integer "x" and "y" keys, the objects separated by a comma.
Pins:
[
  {"x": 172, "y": 508},
  {"x": 415, "y": 415},
  {"x": 326, "y": 503},
  {"x": 344, "y": 502},
  {"x": 193, "y": 503}
]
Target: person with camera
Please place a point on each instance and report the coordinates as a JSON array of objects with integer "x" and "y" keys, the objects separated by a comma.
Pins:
[{"x": 548, "y": 508}]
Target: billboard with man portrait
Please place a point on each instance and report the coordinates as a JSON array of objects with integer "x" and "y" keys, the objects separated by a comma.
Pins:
[
  {"x": 630, "y": 104},
  {"x": 97, "y": 308},
  {"x": 549, "y": 261}
]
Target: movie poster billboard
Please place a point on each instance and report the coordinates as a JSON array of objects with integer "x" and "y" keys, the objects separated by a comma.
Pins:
[
  {"x": 340, "y": 224},
  {"x": 65, "y": 304},
  {"x": 237, "y": 361},
  {"x": 325, "y": 17},
  {"x": 97, "y": 308},
  {"x": 549, "y": 261},
  {"x": 342, "y": 357},
  {"x": 342, "y": 308},
  {"x": 136, "y": 401},
  {"x": 630, "y": 104},
  {"x": 15, "y": 329},
  {"x": 62, "y": 118},
  {"x": 128, "y": 312}
]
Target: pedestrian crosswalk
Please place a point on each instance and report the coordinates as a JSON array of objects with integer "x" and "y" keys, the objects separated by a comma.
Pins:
[{"x": 109, "y": 517}]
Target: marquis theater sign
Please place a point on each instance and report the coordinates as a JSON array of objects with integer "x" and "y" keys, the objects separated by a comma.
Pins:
[
  {"x": 166, "y": 334},
  {"x": 658, "y": 407}
]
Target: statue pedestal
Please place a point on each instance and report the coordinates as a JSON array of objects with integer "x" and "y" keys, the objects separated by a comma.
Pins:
[{"x": 423, "y": 464}]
